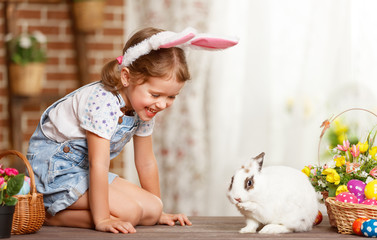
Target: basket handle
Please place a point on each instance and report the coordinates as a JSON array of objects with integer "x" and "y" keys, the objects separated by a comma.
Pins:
[
  {"x": 33, "y": 190},
  {"x": 326, "y": 125}
]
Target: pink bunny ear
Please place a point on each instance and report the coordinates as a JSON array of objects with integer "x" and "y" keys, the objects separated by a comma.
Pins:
[
  {"x": 213, "y": 42},
  {"x": 179, "y": 41}
]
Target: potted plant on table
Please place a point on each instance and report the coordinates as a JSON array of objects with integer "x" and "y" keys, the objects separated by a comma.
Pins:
[
  {"x": 27, "y": 55},
  {"x": 11, "y": 183}
]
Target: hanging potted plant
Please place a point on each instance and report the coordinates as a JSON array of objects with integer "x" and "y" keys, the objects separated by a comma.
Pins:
[
  {"x": 88, "y": 14},
  {"x": 27, "y": 53},
  {"x": 10, "y": 184}
]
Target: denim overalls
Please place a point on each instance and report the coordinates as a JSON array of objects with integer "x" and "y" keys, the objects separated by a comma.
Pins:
[{"x": 62, "y": 168}]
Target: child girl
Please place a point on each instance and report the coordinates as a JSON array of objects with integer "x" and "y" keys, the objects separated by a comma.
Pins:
[{"x": 70, "y": 150}]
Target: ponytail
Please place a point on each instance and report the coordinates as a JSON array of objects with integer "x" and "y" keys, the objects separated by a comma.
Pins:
[{"x": 110, "y": 76}]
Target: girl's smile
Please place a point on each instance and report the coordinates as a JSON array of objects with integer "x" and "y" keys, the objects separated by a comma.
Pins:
[{"x": 151, "y": 97}]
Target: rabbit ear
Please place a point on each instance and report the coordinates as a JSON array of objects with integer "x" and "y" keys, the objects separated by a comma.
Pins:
[
  {"x": 259, "y": 160},
  {"x": 211, "y": 42}
]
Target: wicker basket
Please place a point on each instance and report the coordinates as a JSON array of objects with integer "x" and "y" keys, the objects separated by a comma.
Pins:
[
  {"x": 89, "y": 15},
  {"x": 342, "y": 215},
  {"x": 29, "y": 213},
  {"x": 346, "y": 213},
  {"x": 330, "y": 214}
]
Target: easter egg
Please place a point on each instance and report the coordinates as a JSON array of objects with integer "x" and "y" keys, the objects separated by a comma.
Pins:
[
  {"x": 318, "y": 219},
  {"x": 371, "y": 190},
  {"x": 347, "y": 197},
  {"x": 369, "y": 202},
  {"x": 356, "y": 226},
  {"x": 369, "y": 228},
  {"x": 357, "y": 187},
  {"x": 25, "y": 187}
]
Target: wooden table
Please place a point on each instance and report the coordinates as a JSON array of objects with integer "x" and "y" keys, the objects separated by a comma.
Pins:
[{"x": 202, "y": 228}]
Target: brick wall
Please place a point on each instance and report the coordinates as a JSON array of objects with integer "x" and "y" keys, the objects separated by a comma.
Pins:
[{"x": 61, "y": 74}]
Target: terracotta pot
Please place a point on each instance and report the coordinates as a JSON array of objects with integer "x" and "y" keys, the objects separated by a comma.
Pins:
[
  {"x": 26, "y": 80},
  {"x": 6, "y": 219},
  {"x": 89, "y": 15}
]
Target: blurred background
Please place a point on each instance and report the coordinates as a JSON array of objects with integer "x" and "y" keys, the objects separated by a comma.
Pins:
[{"x": 298, "y": 63}]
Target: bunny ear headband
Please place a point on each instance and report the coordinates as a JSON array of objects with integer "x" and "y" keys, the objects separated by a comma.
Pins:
[{"x": 188, "y": 38}]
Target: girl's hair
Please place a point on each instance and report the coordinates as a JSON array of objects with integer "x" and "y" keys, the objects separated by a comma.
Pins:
[{"x": 164, "y": 62}]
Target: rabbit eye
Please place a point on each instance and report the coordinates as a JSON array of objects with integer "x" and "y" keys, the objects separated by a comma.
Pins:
[{"x": 249, "y": 183}]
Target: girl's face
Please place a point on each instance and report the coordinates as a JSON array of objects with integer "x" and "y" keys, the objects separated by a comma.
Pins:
[{"x": 151, "y": 97}]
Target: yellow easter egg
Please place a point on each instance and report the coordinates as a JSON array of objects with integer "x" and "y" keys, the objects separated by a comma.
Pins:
[{"x": 371, "y": 190}]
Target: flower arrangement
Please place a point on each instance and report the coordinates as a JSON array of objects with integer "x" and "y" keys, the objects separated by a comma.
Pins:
[
  {"x": 26, "y": 48},
  {"x": 11, "y": 183},
  {"x": 348, "y": 161}
]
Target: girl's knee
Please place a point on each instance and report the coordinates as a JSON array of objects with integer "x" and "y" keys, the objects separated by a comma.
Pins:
[
  {"x": 132, "y": 212},
  {"x": 152, "y": 212}
]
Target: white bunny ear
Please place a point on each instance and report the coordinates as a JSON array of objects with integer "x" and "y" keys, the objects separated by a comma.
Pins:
[
  {"x": 212, "y": 42},
  {"x": 179, "y": 38},
  {"x": 165, "y": 39}
]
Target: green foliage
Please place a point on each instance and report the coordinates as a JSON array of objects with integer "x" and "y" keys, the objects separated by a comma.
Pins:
[
  {"x": 10, "y": 188},
  {"x": 27, "y": 48}
]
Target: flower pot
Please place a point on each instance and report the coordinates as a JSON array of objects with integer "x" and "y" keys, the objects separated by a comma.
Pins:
[
  {"x": 89, "y": 15},
  {"x": 26, "y": 80},
  {"x": 6, "y": 218}
]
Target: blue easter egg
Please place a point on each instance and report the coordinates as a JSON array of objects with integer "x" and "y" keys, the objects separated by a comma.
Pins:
[
  {"x": 25, "y": 187},
  {"x": 369, "y": 228}
]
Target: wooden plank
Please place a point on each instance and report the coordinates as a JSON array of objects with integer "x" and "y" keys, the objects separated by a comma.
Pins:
[{"x": 202, "y": 228}]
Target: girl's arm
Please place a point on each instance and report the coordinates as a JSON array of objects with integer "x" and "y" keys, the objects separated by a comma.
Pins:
[
  {"x": 147, "y": 169},
  {"x": 99, "y": 161},
  {"x": 146, "y": 165}
]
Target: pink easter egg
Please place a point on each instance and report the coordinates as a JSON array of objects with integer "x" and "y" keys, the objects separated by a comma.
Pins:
[
  {"x": 369, "y": 202},
  {"x": 357, "y": 187},
  {"x": 347, "y": 197}
]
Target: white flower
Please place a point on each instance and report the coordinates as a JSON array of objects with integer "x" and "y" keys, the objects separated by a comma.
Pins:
[
  {"x": 331, "y": 164},
  {"x": 363, "y": 174},
  {"x": 41, "y": 38},
  {"x": 322, "y": 184},
  {"x": 25, "y": 41},
  {"x": 8, "y": 37},
  {"x": 369, "y": 179}
]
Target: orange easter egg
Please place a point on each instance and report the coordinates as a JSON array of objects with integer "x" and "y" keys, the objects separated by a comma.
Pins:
[{"x": 356, "y": 226}]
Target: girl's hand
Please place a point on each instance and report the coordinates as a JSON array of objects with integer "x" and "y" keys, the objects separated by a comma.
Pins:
[
  {"x": 170, "y": 219},
  {"x": 115, "y": 226}
]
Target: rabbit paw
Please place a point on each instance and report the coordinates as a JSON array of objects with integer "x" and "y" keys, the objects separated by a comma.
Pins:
[
  {"x": 251, "y": 226},
  {"x": 248, "y": 206},
  {"x": 274, "y": 229},
  {"x": 248, "y": 229}
]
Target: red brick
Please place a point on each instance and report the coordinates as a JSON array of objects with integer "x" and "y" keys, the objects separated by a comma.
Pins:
[
  {"x": 60, "y": 15},
  {"x": 61, "y": 76},
  {"x": 30, "y": 14},
  {"x": 113, "y": 32},
  {"x": 116, "y": 3},
  {"x": 60, "y": 45},
  {"x": 32, "y": 122},
  {"x": 100, "y": 46}
]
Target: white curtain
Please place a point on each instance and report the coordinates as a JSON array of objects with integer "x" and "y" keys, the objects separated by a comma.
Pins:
[{"x": 298, "y": 62}]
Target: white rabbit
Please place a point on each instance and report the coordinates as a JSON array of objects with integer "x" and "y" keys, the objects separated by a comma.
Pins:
[{"x": 279, "y": 198}]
